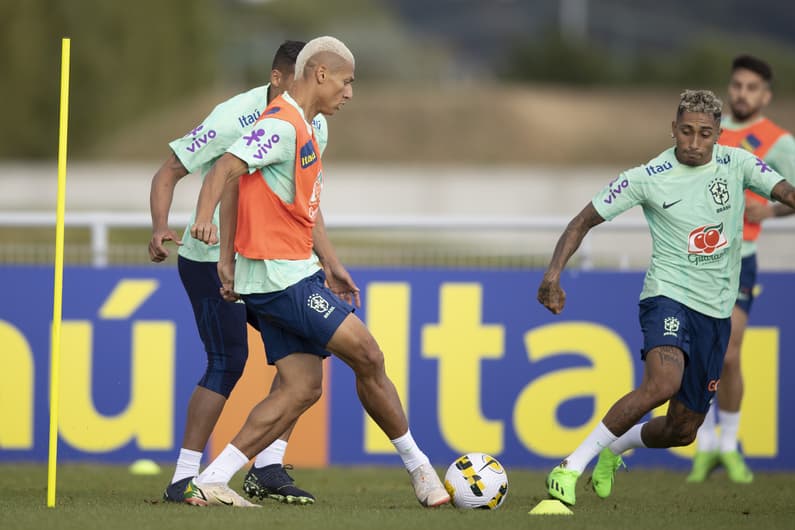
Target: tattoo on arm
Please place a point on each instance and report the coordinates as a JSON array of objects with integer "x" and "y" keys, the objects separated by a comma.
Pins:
[{"x": 573, "y": 235}]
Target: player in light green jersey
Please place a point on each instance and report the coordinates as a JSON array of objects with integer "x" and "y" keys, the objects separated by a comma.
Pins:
[
  {"x": 692, "y": 197},
  {"x": 221, "y": 325}
]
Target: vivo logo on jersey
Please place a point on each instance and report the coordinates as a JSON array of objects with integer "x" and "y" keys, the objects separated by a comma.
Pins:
[
  {"x": 308, "y": 155},
  {"x": 248, "y": 119},
  {"x": 316, "y": 124},
  {"x": 615, "y": 189},
  {"x": 659, "y": 168},
  {"x": 264, "y": 146},
  {"x": 725, "y": 159},
  {"x": 199, "y": 141}
]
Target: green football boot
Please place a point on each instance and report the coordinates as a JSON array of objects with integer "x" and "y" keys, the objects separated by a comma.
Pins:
[
  {"x": 605, "y": 472},
  {"x": 561, "y": 483},
  {"x": 736, "y": 468},
  {"x": 703, "y": 464}
]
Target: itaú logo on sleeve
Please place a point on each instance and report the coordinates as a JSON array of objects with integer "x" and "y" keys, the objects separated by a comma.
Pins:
[
  {"x": 706, "y": 239},
  {"x": 308, "y": 155}
]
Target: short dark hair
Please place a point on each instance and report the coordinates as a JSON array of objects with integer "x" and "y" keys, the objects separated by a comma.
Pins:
[
  {"x": 754, "y": 64},
  {"x": 285, "y": 57}
]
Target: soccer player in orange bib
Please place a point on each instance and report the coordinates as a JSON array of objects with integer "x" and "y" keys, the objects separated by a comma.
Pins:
[
  {"x": 748, "y": 128},
  {"x": 286, "y": 271}
]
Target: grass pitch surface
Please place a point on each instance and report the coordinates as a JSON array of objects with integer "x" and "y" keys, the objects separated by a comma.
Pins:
[{"x": 108, "y": 497}]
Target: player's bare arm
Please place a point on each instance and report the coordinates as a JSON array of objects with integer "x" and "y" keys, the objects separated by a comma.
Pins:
[
  {"x": 227, "y": 168},
  {"x": 337, "y": 276},
  {"x": 228, "y": 218},
  {"x": 161, "y": 195},
  {"x": 757, "y": 212},
  {"x": 784, "y": 193},
  {"x": 550, "y": 294}
]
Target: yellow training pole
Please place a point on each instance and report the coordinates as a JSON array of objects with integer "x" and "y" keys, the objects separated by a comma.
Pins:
[{"x": 55, "y": 340}]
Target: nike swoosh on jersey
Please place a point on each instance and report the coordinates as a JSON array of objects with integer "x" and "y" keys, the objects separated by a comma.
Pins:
[{"x": 666, "y": 205}]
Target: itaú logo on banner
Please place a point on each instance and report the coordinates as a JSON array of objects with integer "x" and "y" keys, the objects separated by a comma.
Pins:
[{"x": 706, "y": 239}]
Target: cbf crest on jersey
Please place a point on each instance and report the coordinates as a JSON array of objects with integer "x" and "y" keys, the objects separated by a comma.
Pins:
[{"x": 719, "y": 189}]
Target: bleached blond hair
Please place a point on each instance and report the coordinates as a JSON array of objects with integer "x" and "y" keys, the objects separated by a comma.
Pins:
[
  {"x": 701, "y": 101},
  {"x": 321, "y": 45}
]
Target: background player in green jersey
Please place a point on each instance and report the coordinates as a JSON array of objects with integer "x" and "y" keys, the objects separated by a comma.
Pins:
[
  {"x": 746, "y": 127},
  {"x": 692, "y": 197},
  {"x": 221, "y": 325}
]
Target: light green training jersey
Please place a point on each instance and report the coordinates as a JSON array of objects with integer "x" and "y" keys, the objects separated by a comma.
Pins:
[
  {"x": 200, "y": 148},
  {"x": 780, "y": 156},
  {"x": 695, "y": 217},
  {"x": 271, "y": 149}
]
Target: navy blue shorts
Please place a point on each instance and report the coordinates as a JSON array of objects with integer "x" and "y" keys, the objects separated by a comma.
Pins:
[
  {"x": 747, "y": 283},
  {"x": 221, "y": 324},
  {"x": 703, "y": 339},
  {"x": 299, "y": 319}
]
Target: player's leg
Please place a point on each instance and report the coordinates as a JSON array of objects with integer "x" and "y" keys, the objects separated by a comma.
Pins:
[
  {"x": 300, "y": 386},
  {"x": 354, "y": 344},
  {"x": 711, "y": 449},
  {"x": 222, "y": 329},
  {"x": 665, "y": 339},
  {"x": 662, "y": 377},
  {"x": 268, "y": 477},
  {"x": 730, "y": 393}
]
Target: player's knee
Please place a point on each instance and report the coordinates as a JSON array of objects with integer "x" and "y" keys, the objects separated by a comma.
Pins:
[
  {"x": 658, "y": 392},
  {"x": 304, "y": 395},
  {"x": 369, "y": 359},
  {"x": 682, "y": 434},
  {"x": 223, "y": 371}
]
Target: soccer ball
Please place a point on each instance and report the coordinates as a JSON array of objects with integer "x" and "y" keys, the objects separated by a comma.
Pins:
[{"x": 476, "y": 480}]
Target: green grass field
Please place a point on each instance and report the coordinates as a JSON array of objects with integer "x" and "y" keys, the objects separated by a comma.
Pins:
[{"x": 101, "y": 496}]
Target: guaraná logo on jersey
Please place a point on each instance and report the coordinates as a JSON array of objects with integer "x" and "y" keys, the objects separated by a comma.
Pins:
[
  {"x": 706, "y": 239},
  {"x": 308, "y": 155}
]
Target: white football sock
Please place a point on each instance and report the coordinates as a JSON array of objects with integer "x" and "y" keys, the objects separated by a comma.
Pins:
[
  {"x": 707, "y": 436},
  {"x": 729, "y": 424},
  {"x": 629, "y": 440},
  {"x": 188, "y": 464},
  {"x": 223, "y": 468},
  {"x": 409, "y": 451},
  {"x": 273, "y": 454},
  {"x": 600, "y": 438}
]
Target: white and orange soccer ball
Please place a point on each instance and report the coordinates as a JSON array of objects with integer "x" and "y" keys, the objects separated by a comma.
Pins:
[{"x": 476, "y": 480}]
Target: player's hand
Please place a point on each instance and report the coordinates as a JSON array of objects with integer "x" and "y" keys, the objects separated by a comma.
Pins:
[
  {"x": 226, "y": 273},
  {"x": 206, "y": 232},
  {"x": 551, "y": 295},
  {"x": 341, "y": 284},
  {"x": 157, "y": 250},
  {"x": 756, "y": 212}
]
